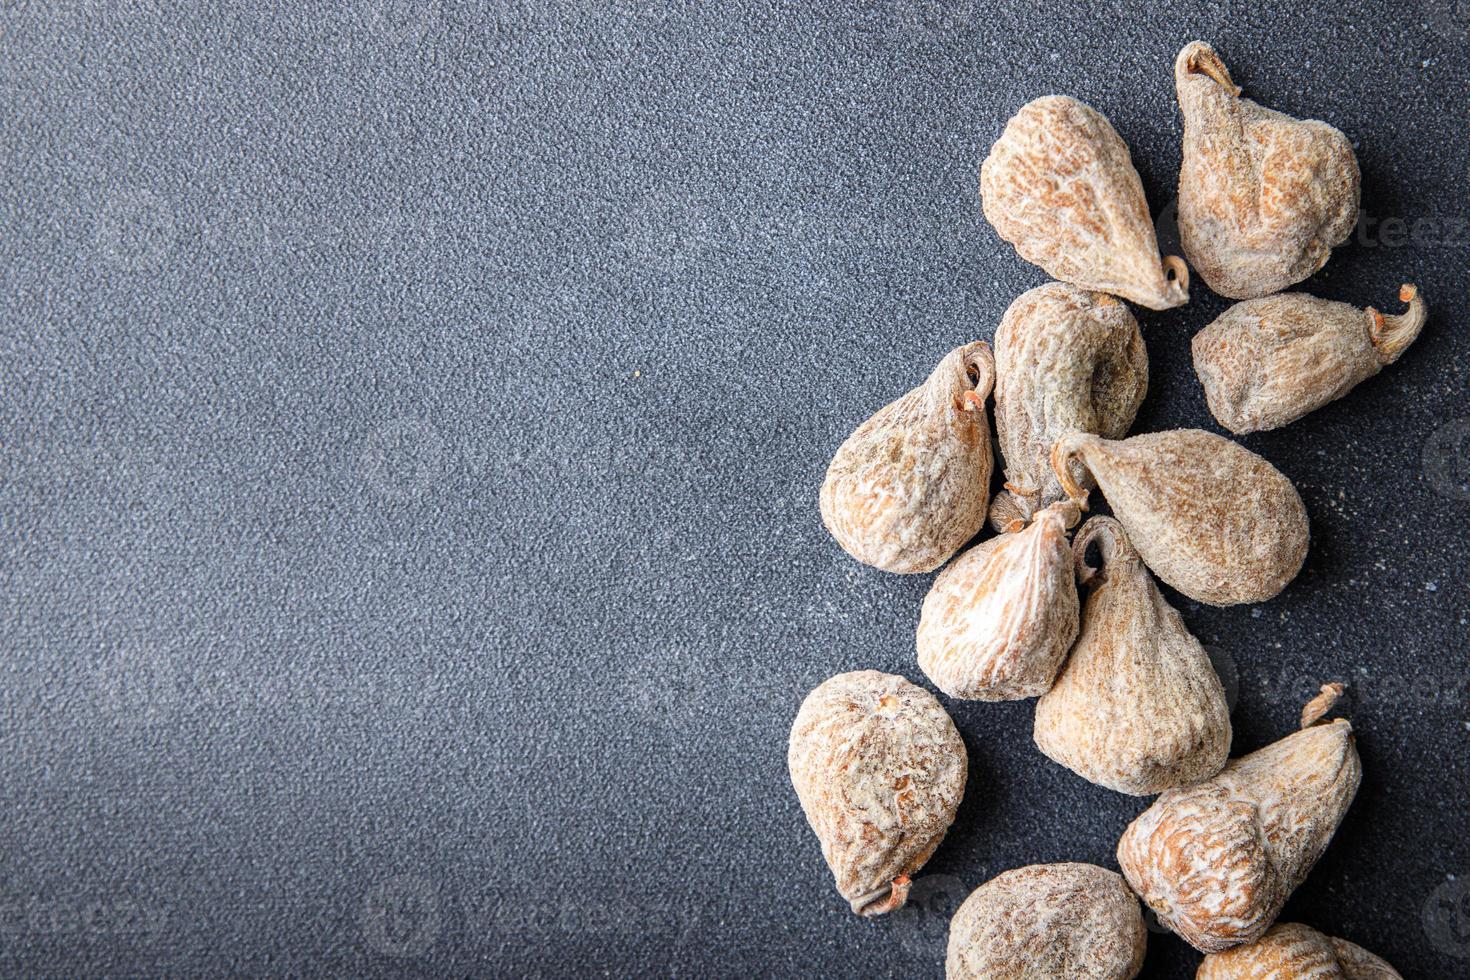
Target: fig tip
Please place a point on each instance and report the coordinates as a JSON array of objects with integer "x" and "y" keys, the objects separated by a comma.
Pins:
[
  {"x": 1321, "y": 704},
  {"x": 1202, "y": 59},
  {"x": 884, "y": 900}
]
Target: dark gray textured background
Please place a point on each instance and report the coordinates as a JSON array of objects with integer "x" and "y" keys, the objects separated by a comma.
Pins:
[{"x": 411, "y": 419}]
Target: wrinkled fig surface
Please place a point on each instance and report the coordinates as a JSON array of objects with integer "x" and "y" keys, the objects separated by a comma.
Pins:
[
  {"x": 1267, "y": 362},
  {"x": 998, "y": 622},
  {"x": 1291, "y": 951},
  {"x": 1210, "y": 517},
  {"x": 1263, "y": 197},
  {"x": 1138, "y": 707},
  {"x": 912, "y": 484},
  {"x": 1060, "y": 186},
  {"x": 1048, "y": 920},
  {"x": 1218, "y": 860},
  {"x": 1359, "y": 964},
  {"x": 880, "y": 769},
  {"x": 1066, "y": 360}
]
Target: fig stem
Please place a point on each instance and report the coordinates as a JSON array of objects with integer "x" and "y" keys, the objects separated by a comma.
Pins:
[
  {"x": 1392, "y": 335},
  {"x": 980, "y": 366},
  {"x": 1177, "y": 285},
  {"x": 1209, "y": 63},
  {"x": 1112, "y": 545},
  {"x": 883, "y": 900},
  {"x": 1065, "y": 511},
  {"x": 1321, "y": 704},
  {"x": 1069, "y": 512},
  {"x": 1062, "y": 454}
]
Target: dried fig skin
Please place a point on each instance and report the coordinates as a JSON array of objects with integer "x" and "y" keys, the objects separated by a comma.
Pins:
[
  {"x": 1298, "y": 952},
  {"x": 880, "y": 770},
  {"x": 1138, "y": 708},
  {"x": 1048, "y": 920},
  {"x": 1060, "y": 186},
  {"x": 1218, "y": 860},
  {"x": 1210, "y": 517},
  {"x": 1009, "y": 512},
  {"x": 1267, "y": 362},
  {"x": 911, "y": 485},
  {"x": 998, "y": 622},
  {"x": 1066, "y": 360},
  {"x": 1263, "y": 197},
  {"x": 1359, "y": 964}
]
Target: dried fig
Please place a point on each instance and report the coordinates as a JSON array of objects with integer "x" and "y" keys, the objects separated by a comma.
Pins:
[
  {"x": 1077, "y": 921},
  {"x": 1267, "y": 362},
  {"x": 1296, "y": 952},
  {"x": 880, "y": 770},
  {"x": 998, "y": 622},
  {"x": 1138, "y": 707},
  {"x": 1060, "y": 186},
  {"x": 1218, "y": 860},
  {"x": 1210, "y": 517},
  {"x": 1263, "y": 197},
  {"x": 912, "y": 484},
  {"x": 1066, "y": 360}
]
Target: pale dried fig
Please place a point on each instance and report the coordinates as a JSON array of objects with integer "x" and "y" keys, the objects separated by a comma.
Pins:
[
  {"x": 998, "y": 622},
  {"x": 1076, "y": 921},
  {"x": 1060, "y": 186},
  {"x": 1210, "y": 517},
  {"x": 1138, "y": 707},
  {"x": 1066, "y": 360},
  {"x": 1263, "y": 197},
  {"x": 912, "y": 484},
  {"x": 880, "y": 770},
  {"x": 1291, "y": 951},
  {"x": 1218, "y": 860},
  {"x": 1267, "y": 362}
]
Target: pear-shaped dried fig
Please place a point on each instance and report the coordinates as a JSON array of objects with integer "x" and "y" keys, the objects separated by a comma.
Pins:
[
  {"x": 1060, "y": 186},
  {"x": 1066, "y": 360},
  {"x": 1218, "y": 860},
  {"x": 912, "y": 484},
  {"x": 1210, "y": 517},
  {"x": 1267, "y": 362},
  {"x": 1138, "y": 708},
  {"x": 998, "y": 622},
  {"x": 1291, "y": 951},
  {"x": 1076, "y": 921},
  {"x": 1263, "y": 197},
  {"x": 880, "y": 770}
]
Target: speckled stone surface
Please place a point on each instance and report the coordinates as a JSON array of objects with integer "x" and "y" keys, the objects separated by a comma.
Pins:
[{"x": 411, "y": 419}]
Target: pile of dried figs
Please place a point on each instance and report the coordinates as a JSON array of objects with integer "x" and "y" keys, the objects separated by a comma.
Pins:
[{"x": 1127, "y": 697}]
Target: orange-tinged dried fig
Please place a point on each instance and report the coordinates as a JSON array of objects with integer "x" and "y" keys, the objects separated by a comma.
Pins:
[
  {"x": 1066, "y": 360},
  {"x": 1267, "y": 362},
  {"x": 912, "y": 484},
  {"x": 1263, "y": 197},
  {"x": 880, "y": 770},
  {"x": 1076, "y": 921},
  {"x": 1060, "y": 186},
  {"x": 1210, "y": 517},
  {"x": 1291, "y": 951},
  {"x": 1218, "y": 860},
  {"x": 1138, "y": 707},
  {"x": 998, "y": 622}
]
